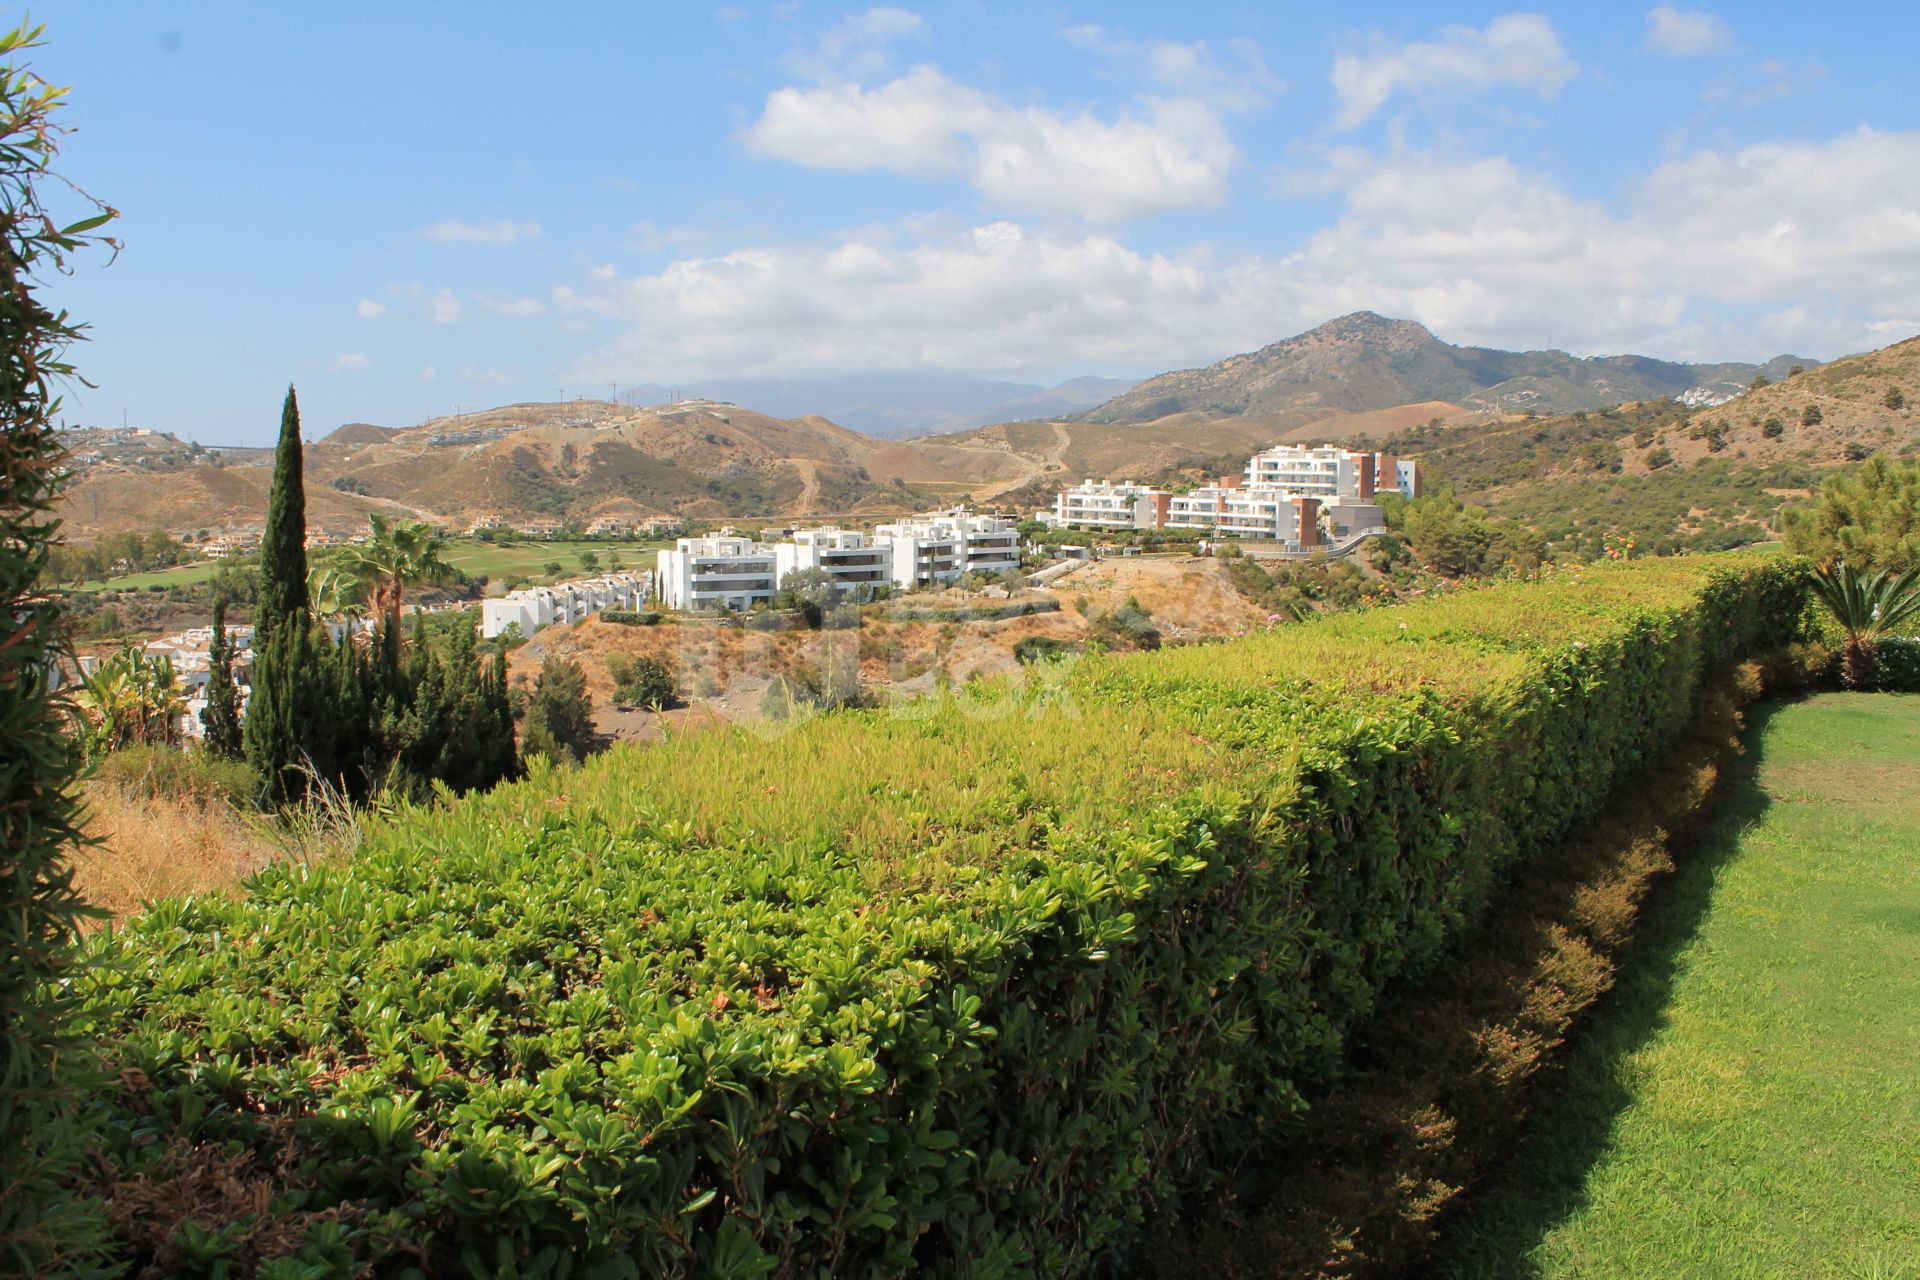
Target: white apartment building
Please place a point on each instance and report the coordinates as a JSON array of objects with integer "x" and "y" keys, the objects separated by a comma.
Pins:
[
  {"x": 718, "y": 572},
  {"x": 855, "y": 561},
  {"x": 1094, "y": 504},
  {"x": 940, "y": 547},
  {"x": 1238, "y": 511},
  {"x": 1281, "y": 496},
  {"x": 531, "y": 608},
  {"x": 1329, "y": 472}
]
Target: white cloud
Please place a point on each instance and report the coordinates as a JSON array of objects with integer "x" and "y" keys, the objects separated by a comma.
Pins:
[
  {"x": 1518, "y": 49},
  {"x": 479, "y": 373},
  {"x": 1680, "y": 34},
  {"x": 368, "y": 309},
  {"x": 1719, "y": 254},
  {"x": 429, "y": 373},
  {"x": 497, "y": 232},
  {"x": 728, "y": 14},
  {"x": 349, "y": 360},
  {"x": 1238, "y": 81},
  {"x": 514, "y": 306},
  {"x": 1172, "y": 154},
  {"x": 445, "y": 308},
  {"x": 856, "y": 47}
]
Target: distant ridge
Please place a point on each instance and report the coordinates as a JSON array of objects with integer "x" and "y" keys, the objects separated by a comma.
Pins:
[{"x": 1365, "y": 361}]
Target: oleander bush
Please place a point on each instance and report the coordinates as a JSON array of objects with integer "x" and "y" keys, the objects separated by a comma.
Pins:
[{"x": 970, "y": 986}]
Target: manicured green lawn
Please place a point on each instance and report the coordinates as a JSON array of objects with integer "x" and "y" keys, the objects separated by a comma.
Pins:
[
  {"x": 528, "y": 558},
  {"x": 1747, "y": 1102},
  {"x": 496, "y": 560}
]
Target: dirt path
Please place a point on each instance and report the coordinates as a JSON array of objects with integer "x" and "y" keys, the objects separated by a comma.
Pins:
[{"x": 1051, "y": 462}]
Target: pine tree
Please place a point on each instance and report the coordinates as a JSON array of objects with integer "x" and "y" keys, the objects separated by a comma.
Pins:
[
  {"x": 222, "y": 714},
  {"x": 283, "y": 548}
]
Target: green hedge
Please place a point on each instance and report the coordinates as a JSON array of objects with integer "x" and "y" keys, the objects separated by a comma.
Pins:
[
  {"x": 972, "y": 990},
  {"x": 893, "y": 612}
]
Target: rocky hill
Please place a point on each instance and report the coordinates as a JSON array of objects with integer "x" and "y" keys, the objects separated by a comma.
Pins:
[{"x": 1365, "y": 362}]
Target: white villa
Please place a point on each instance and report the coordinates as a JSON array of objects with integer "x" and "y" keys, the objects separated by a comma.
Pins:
[{"x": 531, "y": 608}]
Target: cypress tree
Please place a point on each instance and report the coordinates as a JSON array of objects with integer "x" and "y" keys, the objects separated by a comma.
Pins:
[
  {"x": 288, "y": 729},
  {"x": 283, "y": 547},
  {"x": 222, "y": 714}
]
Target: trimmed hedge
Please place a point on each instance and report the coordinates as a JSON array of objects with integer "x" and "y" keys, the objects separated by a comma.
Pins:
[
  {"x": 973, "y": 990},
  {"x": 891, "y": 612},
  {"x": 630, "y": 617}
]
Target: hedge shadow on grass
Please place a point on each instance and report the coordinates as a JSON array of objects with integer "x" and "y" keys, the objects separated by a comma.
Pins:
[{"x": 1495, "y": 1233}]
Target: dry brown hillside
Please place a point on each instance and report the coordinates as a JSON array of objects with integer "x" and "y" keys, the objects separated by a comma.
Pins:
[{"x": 1851, "y": 418}]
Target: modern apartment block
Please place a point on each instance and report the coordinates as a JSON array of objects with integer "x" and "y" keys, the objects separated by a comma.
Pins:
[
  {"x": 727, "y": 571},
  {"x": 531, "y": 608},
  {"x": 1096, "y": 504},
  {"x": 854, "y": 560},
  {"x": 1281, "y": 496},
  {"x": 938, "y": 548}
]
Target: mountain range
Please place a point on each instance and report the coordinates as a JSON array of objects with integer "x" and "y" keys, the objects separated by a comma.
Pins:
[
  {"x": 897, "y": 405},
  {"x": 1364, "y": 362},
  {"x": 1361, "y": 377}
]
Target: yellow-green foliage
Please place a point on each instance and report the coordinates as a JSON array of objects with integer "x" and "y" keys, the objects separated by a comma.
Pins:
[{"x": 970, "y": 990}]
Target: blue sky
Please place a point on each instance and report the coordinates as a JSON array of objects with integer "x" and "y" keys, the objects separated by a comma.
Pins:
[{"x": 408, "y": 208}]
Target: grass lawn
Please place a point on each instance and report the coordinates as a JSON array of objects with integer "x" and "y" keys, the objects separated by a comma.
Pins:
[
  {"x": 496, "y": 560},
  {"x": 1746, "y": 1103},
  {"x": 502, "y": 560}
]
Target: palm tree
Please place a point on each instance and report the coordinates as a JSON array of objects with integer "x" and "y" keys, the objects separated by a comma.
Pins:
[
  {"x": 1869, "y": 609},
  {"x": 398, "y": 553}
]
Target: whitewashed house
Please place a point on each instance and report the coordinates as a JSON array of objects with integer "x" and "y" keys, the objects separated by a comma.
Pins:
[{"x": 531, "y": 608}]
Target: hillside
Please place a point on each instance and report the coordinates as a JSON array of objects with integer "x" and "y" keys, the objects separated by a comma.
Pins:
[
  {"x": 1363, "y": 362},
  {"x": 578, "y": 459},
  {"x": 1672, "y": 476}
]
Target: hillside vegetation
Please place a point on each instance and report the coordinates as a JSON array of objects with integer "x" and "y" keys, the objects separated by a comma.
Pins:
[
  {"x": 1669, "y": 477},
  {"x": 973, "y": 988}
]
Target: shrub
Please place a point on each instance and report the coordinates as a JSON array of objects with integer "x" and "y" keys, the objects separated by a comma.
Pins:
[
  {"x": 1895, "y": 398},
  {"x": 971, "y": 612},
  {"x": 1856, "y": 452},
  {"x": 1772, "y": 428},
  {"x": 1811, "y": 416},
  {"x": 1658, "y": 457},
  {"x": 559, "y": 713},
  {"x": 642, "y": 682},
  {"x": 1040, "y": 649},
  {"x": 629, "y": 617},
  {"x": 167, "y": 774},
  {"x": 951, "y": 993}
]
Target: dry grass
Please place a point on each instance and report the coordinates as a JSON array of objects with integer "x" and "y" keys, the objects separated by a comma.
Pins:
[{"x": 146, "y": 847}]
